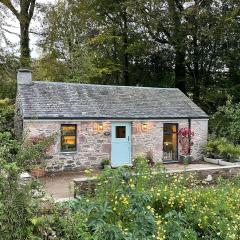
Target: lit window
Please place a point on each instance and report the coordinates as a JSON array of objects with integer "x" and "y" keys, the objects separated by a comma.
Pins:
[{"x": 68, "y": 137}]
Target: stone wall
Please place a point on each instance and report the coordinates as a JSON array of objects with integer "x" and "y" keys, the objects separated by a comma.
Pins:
[
  {"x": 149, "y": 139},
  {"x": 18, "y": 122},
  {"x": 93, "y": 145},
  {"x": 200, "y": 129}
]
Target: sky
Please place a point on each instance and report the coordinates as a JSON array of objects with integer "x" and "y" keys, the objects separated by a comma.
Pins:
[{"x": 35, "y": 25}]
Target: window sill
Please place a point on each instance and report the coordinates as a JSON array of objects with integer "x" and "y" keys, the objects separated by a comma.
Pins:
[{"x": 70, "y": 152}]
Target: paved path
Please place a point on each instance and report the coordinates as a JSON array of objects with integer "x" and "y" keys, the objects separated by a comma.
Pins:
[{"x": 60, "y": 185}]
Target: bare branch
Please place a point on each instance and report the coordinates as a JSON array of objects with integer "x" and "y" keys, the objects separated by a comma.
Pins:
[
  {"x": 10, "y": 32},
  {"x": 8, "y": 4}
]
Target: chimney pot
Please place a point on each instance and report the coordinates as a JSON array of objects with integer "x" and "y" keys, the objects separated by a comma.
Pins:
[{"x": 24, "y": 76}]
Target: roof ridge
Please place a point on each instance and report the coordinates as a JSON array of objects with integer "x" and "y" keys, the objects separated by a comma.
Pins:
[{"x": 103, "y": 85}]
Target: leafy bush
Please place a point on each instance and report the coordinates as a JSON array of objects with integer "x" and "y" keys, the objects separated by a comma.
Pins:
[
  {"x": 221, "y": 148},
  {"x": 17, "y": 205},
  {"x": 226, "y": 122},
  {"x": 211, "y": 148},
  {"x": 147, "y": 206},
  {"x": 105, "y": 162},
  {"x": 126, "y": 205},
  {"x": 6, "y": 115}
]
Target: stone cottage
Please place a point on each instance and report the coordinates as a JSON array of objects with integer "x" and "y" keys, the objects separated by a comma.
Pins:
[{"x": 95, "y": 122}]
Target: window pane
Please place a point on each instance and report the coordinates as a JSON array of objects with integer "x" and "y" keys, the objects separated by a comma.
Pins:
[
  {"x": 168, "y": 127},
  {"x": 68, "y": 138},
  {"x": 69, "y": 143},
  {"x": 68, "y": 129},
  {"x": 169, "y": 146},
  {"x": 120, "y": 131}
]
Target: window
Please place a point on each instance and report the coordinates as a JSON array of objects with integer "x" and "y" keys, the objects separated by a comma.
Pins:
[
  {"x": 120, "y": 131},
  {"x": 68, "y": 137}
]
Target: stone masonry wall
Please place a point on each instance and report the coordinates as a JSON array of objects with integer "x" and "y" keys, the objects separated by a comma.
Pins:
[
  {"x": 18, "y": 122},
  {"x": 150, "y": 139},
  {"x": 93, "y": 145},
  {"x": 200, "y": 128}
]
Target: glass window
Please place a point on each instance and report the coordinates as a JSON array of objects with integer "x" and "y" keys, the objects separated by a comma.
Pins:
[
  {"x": 120, "y": 131},
  {"x": 68, "y": 137},
  {"x": 169, "y": 127}
]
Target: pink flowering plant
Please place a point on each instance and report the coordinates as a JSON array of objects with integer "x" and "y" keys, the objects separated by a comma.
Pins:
[
  {"x": 40, "y": 147},
  {"x": 185, "y": 138}
]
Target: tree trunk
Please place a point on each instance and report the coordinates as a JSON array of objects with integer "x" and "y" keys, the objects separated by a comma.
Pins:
[
  {"x": 24, "y": 16},
  {"x": 196, "y": 75},
  {"x": 180, "y": 71},
  {"x": 24, "y": 44},
  {"x": 196, "y": 88},
  {"x": 115, "y": 59},
  {"x": 178, "y": 41},
  {"x": 125, "y": 50}
]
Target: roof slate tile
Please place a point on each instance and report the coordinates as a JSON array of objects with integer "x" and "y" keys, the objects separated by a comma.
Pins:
[{"x": 71, "y": 100}]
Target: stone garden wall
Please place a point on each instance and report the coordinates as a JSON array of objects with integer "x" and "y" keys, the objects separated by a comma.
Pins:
[{"x": 93, "y": 145}]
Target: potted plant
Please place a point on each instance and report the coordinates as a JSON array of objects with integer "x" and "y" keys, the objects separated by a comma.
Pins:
[
  {"x": 149, "y": 157},
  {"x": 38, "y": 170},
  {"x": 106, "y": 163},
  {"x": 185, "y": 136}
]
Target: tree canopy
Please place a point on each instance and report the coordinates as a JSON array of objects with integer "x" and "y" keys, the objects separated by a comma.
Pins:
[{"x": 162, "y": 43}]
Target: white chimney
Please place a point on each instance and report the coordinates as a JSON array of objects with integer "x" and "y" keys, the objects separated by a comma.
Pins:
[{"x": 24, "y": 76}]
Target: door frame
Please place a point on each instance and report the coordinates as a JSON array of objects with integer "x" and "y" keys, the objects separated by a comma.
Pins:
[
  {"x": 177, "y": 147},
  {"x": 125, "y": 123}
]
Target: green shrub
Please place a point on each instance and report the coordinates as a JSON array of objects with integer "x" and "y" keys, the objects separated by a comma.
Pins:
[
  {"x": 221, "y": 148},
  {"x": 17, "y": 204},
  {"x": 211, "y": 149},
  {"x": 6, "y": 115},
  {"x": 143, "y": 206},
  {"x": 226, "y": 122},
  {"x": 105, "y": 162},
  {"x": 127, "y": 205}
]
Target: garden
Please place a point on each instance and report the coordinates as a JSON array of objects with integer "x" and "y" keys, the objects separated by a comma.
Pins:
[{"x": 121, "y": 205}]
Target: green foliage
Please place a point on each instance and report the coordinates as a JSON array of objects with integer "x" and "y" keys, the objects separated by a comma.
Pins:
[
  {"x": 17, "y": 205},
  {"x": 8, "y": 68},
  {"x": 226, "y": 122},
  {"x": 105, "y": 162},
  {"x": 160, "y": 43},
  {"x": 124, "y": 43},
  {"x": 221, "y": 148},
  {"x": 126, "y": 205},
  {"x": 6, "y": 115},
  {"x": 142, "y": 205}
]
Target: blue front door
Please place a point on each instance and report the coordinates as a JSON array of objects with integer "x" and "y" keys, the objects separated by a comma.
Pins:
[{"x": 121, "y": 144}]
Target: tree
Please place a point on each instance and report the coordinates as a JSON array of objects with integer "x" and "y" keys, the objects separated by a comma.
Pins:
[
  {"x": 24, "y": 16},
  {"x": 162, "y": 43},
  {"x": 163, "y": 21}
]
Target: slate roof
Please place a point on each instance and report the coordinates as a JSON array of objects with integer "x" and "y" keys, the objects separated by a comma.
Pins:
[{"x": 52, "y": 100}]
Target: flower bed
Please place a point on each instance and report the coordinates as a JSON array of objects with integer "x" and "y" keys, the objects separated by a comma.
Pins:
[{"x": 147, "y": 206}]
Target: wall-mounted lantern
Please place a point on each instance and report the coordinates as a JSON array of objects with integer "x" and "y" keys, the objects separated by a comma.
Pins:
[
  {"x": 100, "y": 127},
  {"x": 144, "y": 126}
]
